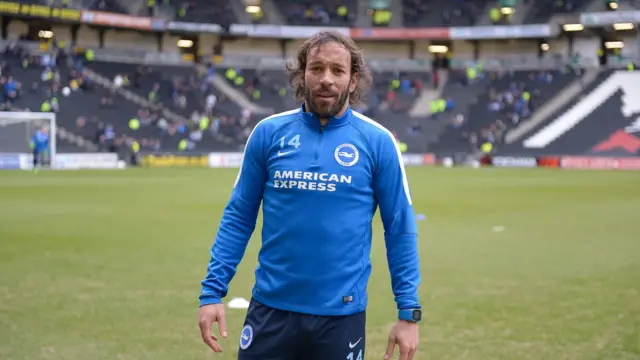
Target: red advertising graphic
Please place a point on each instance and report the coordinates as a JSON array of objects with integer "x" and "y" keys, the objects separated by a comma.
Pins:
[
  {"x": 399, "y": 33},
  {"x": 429, "y": 159},
  {"x": 549, "y": 162},
  {"x": 600, "y": 163},
  {"x": 619, "y": 140},
  {"x": 117, "y": 20}
]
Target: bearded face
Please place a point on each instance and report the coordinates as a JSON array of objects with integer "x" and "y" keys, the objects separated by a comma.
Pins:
[{"x": 328, "y": 80}]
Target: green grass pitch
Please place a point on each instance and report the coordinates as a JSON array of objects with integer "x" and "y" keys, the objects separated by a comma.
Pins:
[{"x": 107, "y": 265}]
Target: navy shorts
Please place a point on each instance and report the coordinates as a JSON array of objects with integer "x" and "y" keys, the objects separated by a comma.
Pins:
[
  {"x": 271, "y": 334},
  {"x": 37, "y": 157}
]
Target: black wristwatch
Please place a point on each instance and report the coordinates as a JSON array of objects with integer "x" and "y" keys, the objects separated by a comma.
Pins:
[{"x": 413, "y": 315}]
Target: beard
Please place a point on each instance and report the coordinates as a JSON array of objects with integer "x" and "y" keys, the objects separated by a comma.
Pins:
[{"x": 328, "y": 108}]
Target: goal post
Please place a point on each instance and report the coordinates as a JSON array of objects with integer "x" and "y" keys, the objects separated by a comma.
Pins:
[{"x": 16, "y": 130}]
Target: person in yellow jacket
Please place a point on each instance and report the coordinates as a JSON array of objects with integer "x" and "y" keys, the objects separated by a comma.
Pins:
[{"x": 135, "y": 152}]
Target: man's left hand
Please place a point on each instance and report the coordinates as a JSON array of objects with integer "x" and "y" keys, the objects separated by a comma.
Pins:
[{"x": 405, "y": 334}]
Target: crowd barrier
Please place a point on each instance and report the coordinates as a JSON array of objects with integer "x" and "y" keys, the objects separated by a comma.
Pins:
[
  {"x": 67, "y": 161},
  {"x": 76, "y": 161},
  {"x": 9, "y": 161},
  {"x": 86, "y": 161},
  {"x": 174, "y": 160},
  {"x": 234, "y": 160},
  {"x": 565, "y": 162}
]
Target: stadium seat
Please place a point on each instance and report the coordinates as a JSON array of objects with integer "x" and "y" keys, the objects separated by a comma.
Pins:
[
  {"x": 104, "y": 5},
  {"x": 323, "y": 12},
  {"x": 426, "y": 13},
  {"x": 545, "y": 9},
  {"x": 204, "y": 11}
]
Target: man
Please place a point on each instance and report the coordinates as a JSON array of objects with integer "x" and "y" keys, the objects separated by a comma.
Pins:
[
  {"x": 39, "y": 145},
  {"x": 320, "y": 172}
]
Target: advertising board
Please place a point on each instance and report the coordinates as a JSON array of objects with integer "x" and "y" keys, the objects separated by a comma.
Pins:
[
  {"x": 413, "y": 159},
  {"x": 429, "y": 159},
  {"x": 39, "y": 11},
  {"x": 10, "y": 161},
  {"x": 600, "y": 163},
  {"x": 549, "y": 162},
  {"x": 225, "y": 160},
  {"x": 170, "y": 160},
  {"x": 234, "y": 160},
  {"x": 86, "y": 161},
  {"x": 511, "y": 161}
]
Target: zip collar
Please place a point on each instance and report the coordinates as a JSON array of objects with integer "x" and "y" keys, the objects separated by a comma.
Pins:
[{"x": 312, "y": 120}]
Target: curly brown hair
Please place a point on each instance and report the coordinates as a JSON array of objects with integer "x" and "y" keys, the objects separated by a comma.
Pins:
[{"x": 296, "y": 69}]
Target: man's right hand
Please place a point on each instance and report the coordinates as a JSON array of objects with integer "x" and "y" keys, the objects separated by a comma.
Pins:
[{"x": 207, "y": 315}]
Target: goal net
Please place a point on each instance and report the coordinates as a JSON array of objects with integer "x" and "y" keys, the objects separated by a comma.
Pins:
[{"x": 16, "y": 131}]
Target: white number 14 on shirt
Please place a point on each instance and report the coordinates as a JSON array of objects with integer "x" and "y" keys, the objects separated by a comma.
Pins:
[{"x": 295, "y": 141}]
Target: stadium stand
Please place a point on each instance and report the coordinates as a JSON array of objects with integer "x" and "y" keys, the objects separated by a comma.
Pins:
[
  {"x": 271, "y": 88},
  {"x": 483, "y": 109},
  {"x": 209, "y": 121},
  {"x": 612, "y": 100},
  {"x": 392, "y": 95},
  {"x": 103, "y": 5},
  {"x": 23, "y": 90},
  {"x": 265, "y": 87},
  {"x": 503, "y": 101},
  {"x": 181, "y": 107},
  {"x": 101, "y": 116},
  {"x": 420, "y": 13},
  {"x": 186, "y": 92},
  {"x": 324, "y": 12},
  {"x": 204, "y": 11},
  {"x": 545, "y": 9},
  {"x": 181, "y": 90}
]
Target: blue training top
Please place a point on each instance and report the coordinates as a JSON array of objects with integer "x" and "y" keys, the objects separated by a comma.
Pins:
[
  {"x": 320, "y": 187},
  {"x": 39, "y": 141}
]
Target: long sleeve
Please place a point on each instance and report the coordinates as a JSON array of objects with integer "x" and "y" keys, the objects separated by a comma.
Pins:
[
  {"x": 400, "y": 229},
  {"x": 238, "y": 220}
]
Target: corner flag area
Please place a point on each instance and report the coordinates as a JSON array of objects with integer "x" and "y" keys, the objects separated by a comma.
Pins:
[{"x": 517, "y": 264}]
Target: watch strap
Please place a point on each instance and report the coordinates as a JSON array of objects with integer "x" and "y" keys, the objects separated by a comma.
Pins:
[{"x": 413, "y": 315}]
